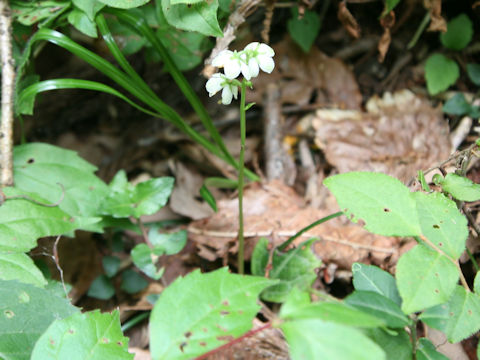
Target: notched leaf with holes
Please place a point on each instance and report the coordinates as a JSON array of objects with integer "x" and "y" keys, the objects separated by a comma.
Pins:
[
  {"x": 458, "y": 318},
  {"x": 201, "y": 312},
  {"x": 294, "y": 268},
  {"x": 425, "y": 278},
  {"x": 379, "y": 201},
  {"x": 26, "y": 311},
  {"x": 99, "y": 334}
]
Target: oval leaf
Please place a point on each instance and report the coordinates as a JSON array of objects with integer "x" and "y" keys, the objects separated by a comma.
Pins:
[{"x": 440, "y": 73}]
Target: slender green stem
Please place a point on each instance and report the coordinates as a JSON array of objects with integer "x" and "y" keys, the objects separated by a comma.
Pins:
[
  {"x": 241, "y": 240},
  {"x": 473, "y": 260},
  {"x": 419, "y": 31},
  {"x": 135, "y": 320}
]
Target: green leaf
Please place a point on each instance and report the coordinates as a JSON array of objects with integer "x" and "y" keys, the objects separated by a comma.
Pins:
[
  {"x": 40, "y": 168},
  {"x": 440, "y": 73},
  {"x": 200, "y": 17},
  {"x": 167, "y": 243},
  {"x": 390, "y": 5},
  {"x": 201, "y": 312},
  {"x": 89, "y": 7},
  {"x": 304, "y": 31},
  {"x": 111, "y": 264},
  {"x": 424, "y": 278},
  {"x": 26, "y": 311},
  {"x": 460, "y": 187},
  {"x": 133, "y": 282},
  {"x": 208, "y": 197},
  {"x": 459, "y": 33},
  {"x": 22, "y": 222},
  {"x": 372, "y": 278},
  {"x": 308, "y": 338},
  {"x": 82, "y": 23},
  {"x": 19, "y": 266},
  {"x": 144, "y": 258},
  {"x": 457, "y": 105},
  {"x": 145, "y": 198},
  {"x": 294, "y": 268},
  {"x": 101, "y": 288},
  {"x": 382, "y": 202},
  {"x": 91, "y": 335},
  {"x": 442, "y": 223},
  {"x": 476, "y": 284},
  {"x": 124, "y": 4},
  {"x": 396, "y": 346},
  {"x": 427, "y": 351},
  {"x": 31, "y": 12},
  {"x": 473, "y": 71},
  {"x": 380, "y": 306},
  {"x": 295, "y": 300},
  {"x": 458, "y": 318}
]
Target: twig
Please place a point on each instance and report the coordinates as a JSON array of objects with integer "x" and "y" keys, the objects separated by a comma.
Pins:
[
  {"x": 56, "y": 259},
  {"x": 8, "y": 86},
  {"x": 144, "y": 233}
]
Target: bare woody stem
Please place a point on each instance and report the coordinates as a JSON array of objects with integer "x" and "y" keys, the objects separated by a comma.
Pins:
[{"x": 8, "y": 86}]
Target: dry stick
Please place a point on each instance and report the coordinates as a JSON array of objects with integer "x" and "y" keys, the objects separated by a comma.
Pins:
[
  {"x": 8, "y": 85},
  {"x": 56, "y": 259}
]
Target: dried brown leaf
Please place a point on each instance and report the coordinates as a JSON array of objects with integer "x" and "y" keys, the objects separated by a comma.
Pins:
[{"x": 348, "y": 21}]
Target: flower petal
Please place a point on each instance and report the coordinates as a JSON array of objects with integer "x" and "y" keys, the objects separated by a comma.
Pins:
[
  {"x": 227, "y": 95},
  {"x": 253, "y": 66},
  {"x": 246, "y": 71},
  {"x": 252, "y": 46},
  {"x": 214, "y": 84},
  {"x": 266, "y": 63},
  {"x": 234, "y": 90},
  {"x": 222, "y": 58},
  {"x": 232, "y": 68},
  {"x": 264, "y": 49}
]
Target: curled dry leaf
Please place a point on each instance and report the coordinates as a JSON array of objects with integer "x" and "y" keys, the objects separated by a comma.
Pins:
[
  {"x": 437, "y": 22},
  {"x": 349, "y": 22},
  {"x": 387, "y": 23}
]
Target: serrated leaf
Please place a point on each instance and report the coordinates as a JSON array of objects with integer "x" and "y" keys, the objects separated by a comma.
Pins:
[
  {"x": 39, "y": 167},
  {"x": 307, "y": 339},
  {"x": 91, "y": 335},
  {"x": 145, "y": 260},
  {"x": 82, "y": 23},
  {"x": 304, "y": 30},
  {"x": 458, "y": 318},
  {"x": 294, "y": 268},
  {"x": 124, "y": 4},
  {"x": 380, "y": 306},
  {"x": 459, "y": 33},
  {"x": 460, "y": 187},
  {"x": 382, "y": 202},
  {"x": 19, "y": 266},
  {"x": 442, "y": 223},
  {"x": 473, "y": 71},
  {"x": 457, "y": 105},
  {"x": 427, "y": 351},
  {"x": 372, "y": 278},
  {"x": 133, "y": 282},
  {"x": 425, "y": 278},
  {"x": 22, "y": 222},
  {"x": 440, "y": 73},
  {"x": 396, "y": 346},
  {"x": 200, "y": 17},
  {"x": 26, "y": 311},
  {"x": 200, "y": 312},
  {"x": 101, "y": 288}
]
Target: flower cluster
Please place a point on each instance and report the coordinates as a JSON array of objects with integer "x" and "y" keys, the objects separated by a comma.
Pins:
[{"x": 248, "y": 62}]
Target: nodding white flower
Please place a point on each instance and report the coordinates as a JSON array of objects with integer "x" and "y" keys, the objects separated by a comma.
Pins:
[
  {"x": 258, "y": 55},
  {"x": 221, "y": 82}
]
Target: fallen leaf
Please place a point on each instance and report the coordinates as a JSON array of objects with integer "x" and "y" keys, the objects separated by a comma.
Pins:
[{"x": 349, "y": 22}]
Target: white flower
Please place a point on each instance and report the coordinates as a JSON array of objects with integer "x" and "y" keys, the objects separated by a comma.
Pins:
[
  {"x": 259, "y": 55},
  {"x": 221, "y": 82},
  {"x": 230, "y": 61}
]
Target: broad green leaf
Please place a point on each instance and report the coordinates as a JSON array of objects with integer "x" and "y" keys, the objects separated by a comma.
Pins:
[
  {"x": 26, "y": 311},
  {"x": 111, "y": 264},
  {"x": 460, "y": 187},
  {"x": 145, "y": 198},
  {"x": 92, "y": 335},
  {"x": 459, "y": 33},
  {"x": 101, "y": 288},
  {"x": 200, "y": 17},
  {"x": 19, "y": 266},
  {"x": 311, "y": 339},
  {"x": 340, "y": 313},
  {"x": 201, "y": 312},
  {"x": 82, "y": 23},
  {"x": 473, "y": 71},
  {"x": 295, "y": 300},
  {"x": 380, "y": 201},
  {"x": 294, "y": 268},
  {"x": 476, "y": 284},
  {"x": 425, "y": 278},
  {"x": 458, "y": 318},
  {"x": 427, "y": 351},
  {"x": 396, "y": 346},
  {"x": 31, "y": 12},
  {"x": 442, "y": 223},
  {"x": 167, "y": 243},
  {"x": 372, "y": 278},
  {"x": 89, "y": 7},
  {"x": 22, "y": 222},
  {"x": 144, "y": 258},
  {"x": 133, "y": 282},
  {"x": 124, "y": 4},
  {"x": 440, "y": 73},
  {"x": 380, "y": 306},
  {"x": 304, "y": 30},
  {"x": 457, "y": 105},
  {"x": 40, "y": 168}
]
